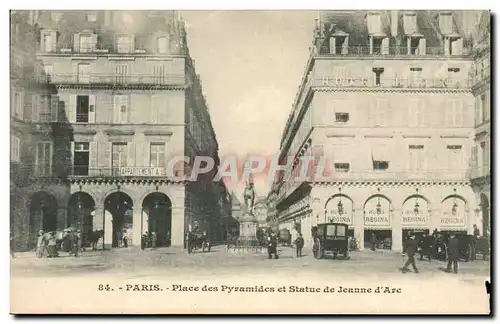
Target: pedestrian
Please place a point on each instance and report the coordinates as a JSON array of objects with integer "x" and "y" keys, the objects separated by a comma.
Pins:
[
  {"x": 476, "y": 232},
  {"x": 272, "y": 246},
  {"x": 373, "y": 241},
  {"x": 411, "y": 249},
  {"x": 426, "y": 247},
  {"x": 299, "y": 243},
  {"x": 52, "y": 246},
  {"x": 154, "y": 239},
  {"x": 40, "y": 244},
  {"x": 12, "y": 246},
  {"x": 125, "y": 238},
  {"x": 452, "y": 254},
  {"x": 144, "y": 240}
]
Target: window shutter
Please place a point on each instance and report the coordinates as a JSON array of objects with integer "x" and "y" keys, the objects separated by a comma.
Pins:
[
  {"x": 42, "y": 40},
  {"x": 94, "y": 41},
  {"x": 385, "y": 46},
  {"x": 131, "y": 154},
  {"x": 116, "y": 109},
  {"x": 132, "y": 43},
  {"x": 92, "y": 108},
  {"x": 422, "y": 46},
  {"x": 332, "y": 45},
  {"x": 76, "y": 42},
  {"x": 53, "y": 36},
  {"x": 106, "y": 163},
  {"x": 54, "y": 108},
  {"x": 72, "y": 109},
  {"x": 72, "y": 161},
  {"x": 93, "y": 158},
  {"x": 35, "y": 107},
  {"x": 154, "y": 109},
  {"x": 345, "y": 46}
]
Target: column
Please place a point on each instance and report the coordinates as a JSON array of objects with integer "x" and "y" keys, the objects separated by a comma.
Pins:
[
  {"x": 98, "y": 219},
  {"x": 178, "y": 225},
  {"x": 137, "y": 226},
  {"x": 306, "y": 230},
  {"x": 371, "y": 45},
  {"x": 108, "y": 229},
  {"x": 397, "y": 230},
  {"x": 61, "y": 217},
  {"x": 359, "y": 228},
  {"x": 408, "y": 45}
]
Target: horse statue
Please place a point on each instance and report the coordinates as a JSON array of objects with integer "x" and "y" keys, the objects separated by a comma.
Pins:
[{"x": 249, "y": 197}]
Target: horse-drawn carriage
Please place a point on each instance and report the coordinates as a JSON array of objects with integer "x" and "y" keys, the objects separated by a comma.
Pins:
[
  {"x": 330, "y": 238},
  {"x": 284, "y": 237},
  {"x": 198, "y": 240},
  {"x": 469, "y": 246}
]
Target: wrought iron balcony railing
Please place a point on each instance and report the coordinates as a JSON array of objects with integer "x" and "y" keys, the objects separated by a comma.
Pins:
[
  {"x": 371, "y": 82},
  {"x": 119, "y": 79},
  {"x": 135, "y": 171},
  {"x": 125, "y": 49},
  {"x": 363, "y": 50}
]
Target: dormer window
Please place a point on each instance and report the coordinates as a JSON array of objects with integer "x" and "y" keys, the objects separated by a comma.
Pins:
[
  {"x": 91, "y": 17},
  {"x": 162, "y": 44},
  {"x": 48, "y": 41},
  {"x": 339, "y": 42},
  {"x": 374, "y": 23},
  {"x": 124, "y": 43},
  {"x": 55, "y": 16},
  {"x": 410, "y": 23},
  {"x": 446, "y": 23}
]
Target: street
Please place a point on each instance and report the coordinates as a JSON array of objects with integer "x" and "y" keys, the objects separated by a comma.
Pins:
[
  {"x": 168, "y": 280},
  {"x": 175, "y": 261}
]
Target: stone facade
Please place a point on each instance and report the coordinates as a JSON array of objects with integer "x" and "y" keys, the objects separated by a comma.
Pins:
[
  {"x": 385, "y": 106},
  {"x": 127, "y": 87}
]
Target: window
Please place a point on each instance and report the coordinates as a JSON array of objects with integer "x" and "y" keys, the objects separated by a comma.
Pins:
[
  {"x": 48, "y": 42},
  {"x": 341, "y": 117},
  {"x": 380, "y": 165},
  {"x": 160, "y": 74},
  {"x": 455, "y": 114},
  {"x": 484, "y": 109},
  {"x": 86, "y": 43},
  {"x": 446, "y": 23},
  {"x": 45, "y": 112},
  {"x": 157, "y": 155},
  {"x": 43, "y": 159},
  {"x": 121, "y": 73},
  {"x": 91, "y": 17},
  {"x": 121, "y": 109},
  {"x": 162, "y": 44},
  {"x": 374, "y": 23},
  {"x": 82, "y": 109},
  {"x": 123, "y": 44},
  {"x": 341, "y": 167},
  {"x": 410, "y": 23},
  {"x": 378, "y": 113},
  {"x": 417, "y": 114},
  {"x": 119, "y": 155},
  {"x": 83, "y": 73},
  {"x": 415, "y": 76},
  {"x": 455, "y": 157},
  {"x": 55, "y": 16},
  {"x": 81, "y": 159},
  {"x": 485, "y": 155},
  {"x": 15, "y": 148},
  {"x": 18, "y": 103},
  {"x": 378, "y": 73},
  {"x": 48, "y": 73},
  {"x": 417, "y": 161}
]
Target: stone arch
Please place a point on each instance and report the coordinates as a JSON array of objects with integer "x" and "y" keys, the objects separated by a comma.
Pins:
[
  {"x": 42, "y": 214},
  {"x": 108, "y": 193},
  {"x": 415, "y": 212},
  {"x": 157, "y": 208},
  {"x": 377, "y": 195},
  {"x": 81, "y": 206},
  {"x": 118, "y": 216},
  {"x": 454, "y": 213},
  {"x": 339, "y": 208}
]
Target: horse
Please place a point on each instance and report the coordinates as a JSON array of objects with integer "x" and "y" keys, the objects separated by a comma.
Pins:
[{"x": 93, "y": 237}]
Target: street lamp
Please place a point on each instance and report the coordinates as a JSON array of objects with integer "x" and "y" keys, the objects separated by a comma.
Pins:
[
  {"x": 379, "y": 207},
  {"x": 454, "y": 207},
  {"x": 42, "y": 206},
  {"x": 80, "y": 225}
]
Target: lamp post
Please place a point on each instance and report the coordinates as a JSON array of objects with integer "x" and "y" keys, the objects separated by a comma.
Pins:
[
  {"x": 79, "y": 226},
  {"x": 42, "y": 206}
]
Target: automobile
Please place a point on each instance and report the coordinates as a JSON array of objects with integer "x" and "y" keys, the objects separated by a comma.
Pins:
[{"x": 330, "y": 238}]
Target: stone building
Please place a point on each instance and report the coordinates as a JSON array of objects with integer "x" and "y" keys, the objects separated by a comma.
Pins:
[
  {"x": 39, "y": 135},
  {"x": 128, "y": 87},
  {"x": 480, "y": 171},
  {"x": 385, "y": 106},
  {"x": 260, "y": 211}
]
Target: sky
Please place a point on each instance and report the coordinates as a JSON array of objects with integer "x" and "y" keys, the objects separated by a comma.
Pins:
[{"x": 251, "y": 64}]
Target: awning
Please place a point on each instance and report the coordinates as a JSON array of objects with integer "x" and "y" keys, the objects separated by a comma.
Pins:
[{"x": 378, "y": 228}]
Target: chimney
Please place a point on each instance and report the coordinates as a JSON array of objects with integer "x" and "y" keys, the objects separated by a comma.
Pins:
[{"x": 394, "y": 22}]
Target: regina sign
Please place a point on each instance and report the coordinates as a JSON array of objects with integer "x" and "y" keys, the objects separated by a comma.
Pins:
[
  {"x": 453, "y": 214},
  {"x": 377, "y": 212},
  {"x": 339, "y": 210},
  {"x": 415, "y": 213}
]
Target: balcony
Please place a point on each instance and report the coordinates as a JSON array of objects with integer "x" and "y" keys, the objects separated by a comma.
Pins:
[
  {"x": 105, "y": 49},
  {"x": 114, "y": 79},
  {"x": 396, "y": 51},
  {"x": 121, "y": 172},
  {"x": 371, "y": 82}
]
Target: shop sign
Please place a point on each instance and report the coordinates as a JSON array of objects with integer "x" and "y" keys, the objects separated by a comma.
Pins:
[
  {"x": 415, "y": 213},
  {"x": 453, "y": 214},
  {"x": 339, "y": 210},
  {"x": 142, "y": 172},
  {"x": 377, "y": 213}
]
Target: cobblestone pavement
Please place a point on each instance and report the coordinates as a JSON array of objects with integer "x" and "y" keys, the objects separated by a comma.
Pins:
[{"x": 133, "y": 262}]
